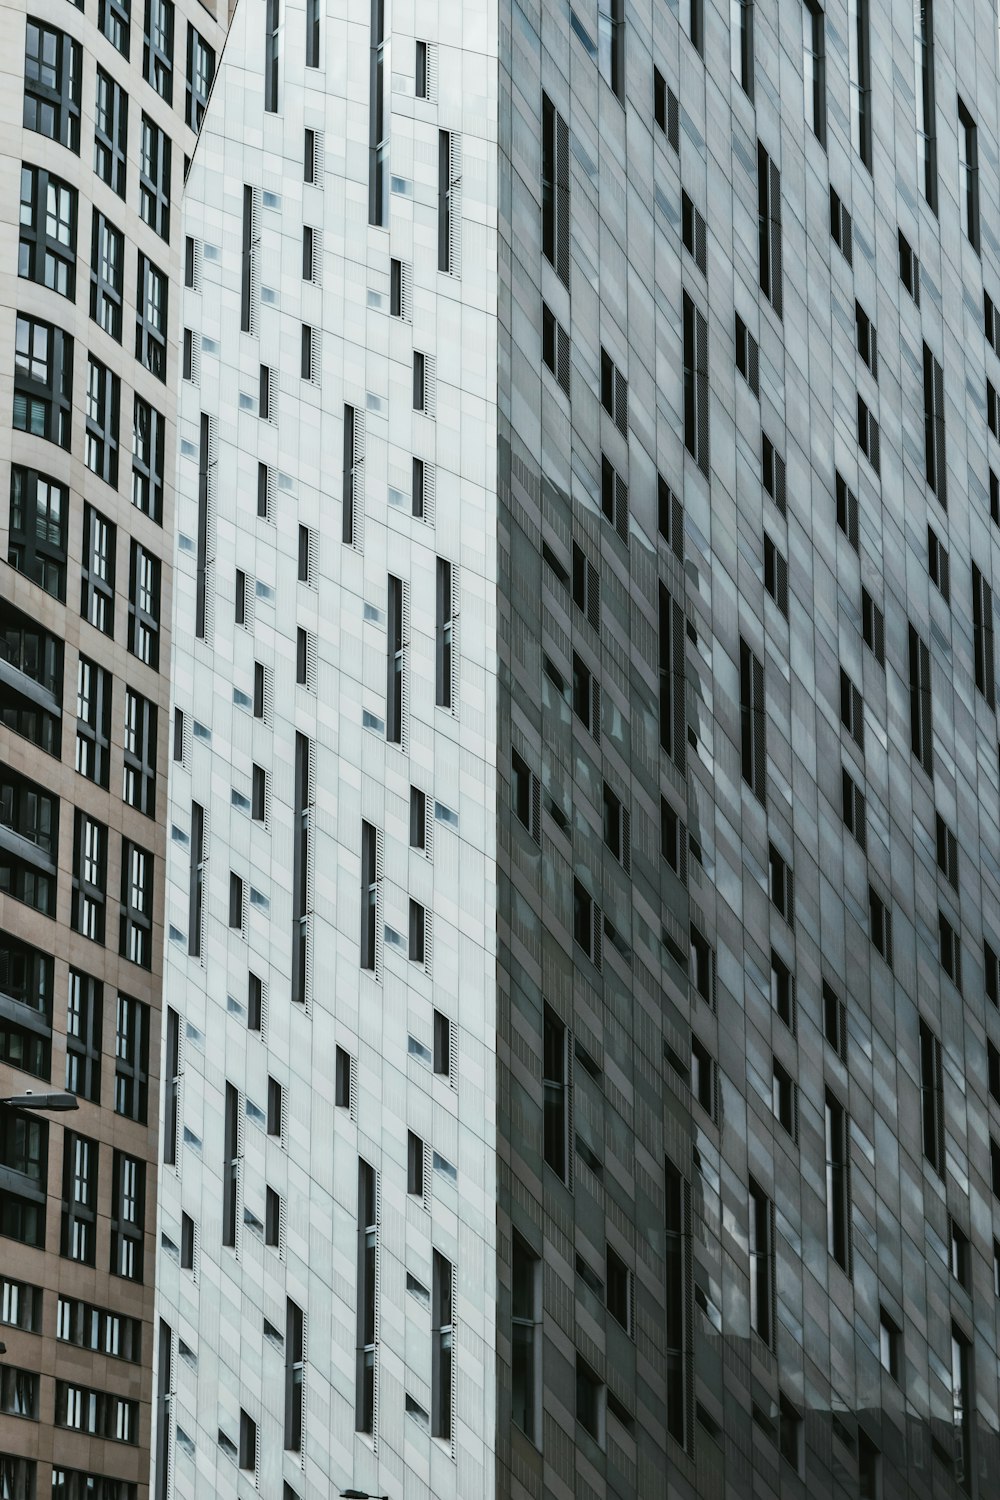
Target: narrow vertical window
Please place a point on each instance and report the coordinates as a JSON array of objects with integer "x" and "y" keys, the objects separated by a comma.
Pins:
[
  {"x": 300, "y": 867},
  {"x": 526, "y": 1339},
  {"x": 753, "y": 722},
  {"x": 769, "y": 227},
  {"x": 962, "y": 1405},
  {"x": 378, "y": 133},
  {"x": 677, "y": 1252},
  {"x": 312, "y": 33},
  {"x": 741, "y": 43},
  {"x": 814, "y": 67},
  {"x": 230, "y": 1165},
  {"x": 172, "y": 1091},
  {"x": 271, "y": 24},
  {"x": 982, "y": 632},
  {"x": 247, "y": 259},
  {"x": 923, "y": 64},
  {"x": 932, "y": 1098},
  {"x": 444, "y": 201},
  {"x": 369, "y": 895},
  {"x": 444, "y": 693},
  {"x": 859, "y": 46},
  {"x": 196, "y": 879},
  {"x": 696, "y": 384},
  {"x": 693, "y": 21},
  {"x": 921, "y": 741},
  {"x": 761, "y": 1264},
  {"x": 555, "y": 189},
  {"x": 935, "y": 465},
  {"x": 294, "y": 1364},
  {"x": 367, "y": 1335},
  {"x": 350, "y": 475},
  {"x": 555, "y": 1086},
  {"x": 838, "y": 1190},
  {"x": 394, "y": 663},
  {"x": 672, "y": 678},
  {"x": 201, "y": 570},
  {"x": 442, "y": 1334},
  {"x": 611, "y": 44},
  {"x": 968, "y": 168},
  {"x": 420, "y": 71}
]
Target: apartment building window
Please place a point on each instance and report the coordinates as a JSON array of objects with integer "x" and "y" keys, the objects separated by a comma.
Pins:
[
  {"x": 230, "y": 1164},
  {"x": 200, "y": 73},
  {"x": 784, "y": 1098},
  {"x": 19, "y": 1394},
  {"x": 937, "y": 563},
  {"x": 525, "y": 795},
  {"x": 947, "y": 851},
  {"x": 353, "y": 473},
  {"x": 107, "y": 273},
  {"x": 43, "y": 380},
  {"x": 378, "y": 127},
  {"x": 78, "y": 1239},
  {"x": 48, "y": 219},
  {"x": 147, "y": 459},
  {"x": 39, "y": 511},
  {"x": 666, "y": 110},
  {"x": 442, "y": 1335},
  {"x": 868, "y": 435},
  {"x": 172, "y": 1089},
  {"x": 611, "y": 44},
  {"x": 26, "y": 985},
  {"x": 370, "y": 878},
  {"x": 614, "y": 499},
  {"x": 310, "y": 157},
  {"x": 342, "y": 1079},
  {"x": 696, "y": 384},
  {"x": 923, "y": 58},
  {"x": 556, "y": 1094},
  {"x": 909, "y": 268},
  {"x": 261, "y": 690},
  {"x": 841, "y": 226},
  {"x": 294, "y": 1366},
  {"x": 395, "y": 691},
  {"x": 445, "y": 636},
  {"x": 90, "y": 876},
  {"x": 312, "y": 33},
  {"x": 31, "y": 815},
  {"x": 110, "y": 132},
  {"x": 753, "y": 722},
  {"x": 838, "y": 1190},
  {"x": 616, "y": 827},
  {"x": 859, "y": 52},
  {"x": 747, "y": 355},
  {"x": 526, "y": 1339},
  {"x": 151, "y": 318},
  {"x": 555, "y": 347},
  {"x": 128, "y": 1197},
  {"x": 53, "y": 71},
  {"x": 934, "y": 449},
  {"x": 772, "y": 471},
  {"x": 853, "y": 808},
  {"x": 20, "y": 1305},
  {"x": 196, "y": 879},
  {"x": 442, "y": 1045},
  {"x": 982, "y": 635},
  {"x": 265, "y": 402},
  {"x": 136, "y": 932},
  {"x": 131, "y": 1058},
  {"x": 769, "y": 227},
  {"x": 97, "y": 1413},
  {"x": 741, "y": 43},
  {"x": 114, "y": 18},
  {"x": 139, "y": 770},
  {"x": 272, "y": 44},
  {"x": 776, "y": 574},
  {"x": 367, "y": 1334},
  {"x": 144, "y": 606},
  {"x": 814, "y": 67},
  {"x": 309, "y": 364},
  {"x": 247, "y": 1458},
  {"x": 84, "y": 1021},
  {"x": 236, "y": 902},
  {"x": 693, "y": 22},
  {"x": 309, "y": 237},
  {"x": 300, "y": 864},
  {"x": 154, "y": 177},
  {"x": 873, "y": 626},
  {"x": 103, "y": 412},
  {"x": 921, "y": 740},
  {"x": 590, "y": 1400},
  {"x": 780, "y": 883},
  {"x": 880, "y": 920},
  {"x": 950, "y": 950},
  {"x": 867, "y": 338},
  {"x": 968, "y": 169},
  {"x": 158, "y": 48},
  {"x": 614, "y": 392},
  {"x": 449, "y": 204},
  {"x": 761, "y": 1264},
  {"x": 555, "y": 189},
  {"x": 963, "y": 1402},
  {"x": 677, "y": 1253},
  {"x": 852, "y": 710}
]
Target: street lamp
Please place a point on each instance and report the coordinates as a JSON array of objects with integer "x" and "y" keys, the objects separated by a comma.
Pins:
[{"x": 40, "y": 1101}]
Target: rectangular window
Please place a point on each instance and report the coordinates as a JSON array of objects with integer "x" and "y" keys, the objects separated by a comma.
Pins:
[
  {"x": 678, "y": 1307},
  {"x": 772, "y": 471},
  {"x": 295, "y": 1356},
  {"x": 236, "y": 902},
  {"x": 950, "y": 949},
  {"x": 693, "y": 22},
  {"x": 154, "y": 177},
  {"x": 343, "y": 1079},
  {"x": 81, "y": 1159},
  {"x": 114, "y": 19},
  {"x": 761, "y": 1264},
  {"x": 420, "y": 74},
  {"x": 937, "y": 562},
  {"x": 90, "y": 877},
  {"x": 840, "y": 226},
  {"x": 780, "y": 883},
  {"x": 308, "y": 368},
  {"x": 868, "y": 435},
  {"x": 272, "y": 18},
  {"x": 101, "y": 440},
  {"x": 147, "y": 459},
  {"x": 128, "y": 1213},
  {"x": 783, "y": 1098},
  {"x": 151, "y": 318},
  {"x": 968, "y": 169},
  {"x": 53, "y": 70},
  {"x": 247, "y": 259},
  {"x": 230, "y": 1164},
  {"x": 418, "y": 819},
  {"x": 614, "y": 499},
  {"x": 741, "y": 43},
  {"x": 852, "y": 710},
  {"x": 442, "y": 1045},
  {"x": 853, "y": 808},
  {"x": 525, "y": 795},
  {"x": 982, "y": 633},
  {"x": 838, "y": 1189},
  {"x": 963, "y": 1405},
  {"x": 921, "y": 736},
  {"x": 378, "y": 124},
  {"x": 932, "y": 1098},
  {"x": 308, "y": 253},
  {"x": 445, "y": 632},
  {"x": 370, "y": 876},
  {"x": 747, "y": 356},
  {"x": 139, "y": 770},
  {"x": 666, "y": 110},
  {"x": 859, "y": 50},
  {"x": 158, "y": 48},
  {"x": 590, "y": 1401},
  {"x": 556, "y": 1094},
  {"x": 923, "y": 61},
  {"x": 312, "y": 33},
  {"x": 367, "y": 1328},
  {"x": 909, "y": 268},
  {"x": 449, "y": 207},
  {"x": 442, "y": 1333},
  {"x": 769, "y": 226},
  {"x": 261, "y": 687},
  {"x": 526, "y": 1339},
  {"x": 84, "y": 1021},
  {"x": 136, "y": 931},
  {"x": 555, "y": 189},
  {"x": 352, "y": 473},
  {"x": 835, "y": 1020},
  {"x": 264, "y": 401},
  {"x": 867, "y": 339},
  {"x": 880, "y": 920},
  {"x": 302, "y": 831},
  {"x": 947, "y": 851},
  {"x": 395, "y": 692},
  {"x": 753, "y": 722},
  {"x": 43, "y": 380},
  {"x": 873, "y": 626},
  {"x": 814, "y": 67},
  {"x": 39, "y": 513},
  {"x": 776, "y": 574},
  {"x": 555, "y": 347},
  {"x": 48, "y": 222},
  {"x": 144, "y": 606},
  {"x": 172, "y": 1073},
  {"x": 196, "y": 879},
  {"x": 310, "y": 153},
  {"x": 206, "y": 461},
  {"x": 414, "y": 1165},
  {"x": 847, "y": 511},
  {"x": 934, "y": 449},
  {"x": 110, "y": 132},
  {"x": 200, "y": 74},
  {"x": 696, "y": 384}
]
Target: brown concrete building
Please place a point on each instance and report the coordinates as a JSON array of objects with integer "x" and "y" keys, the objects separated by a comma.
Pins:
[{"x": 100, "y": 103}]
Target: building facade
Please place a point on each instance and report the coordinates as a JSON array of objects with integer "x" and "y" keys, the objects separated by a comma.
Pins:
[
  {"x": 586, "y": 758},
  {"x": 101, "y": 107}
]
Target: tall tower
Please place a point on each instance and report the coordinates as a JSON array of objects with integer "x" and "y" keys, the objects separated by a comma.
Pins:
[
  {"x": 582, "y": 933},
  {"x": 102, "y": 101}
]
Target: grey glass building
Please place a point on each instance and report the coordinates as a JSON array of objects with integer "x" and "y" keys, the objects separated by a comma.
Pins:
[
  {"x": 583, "y": 905},
  {"x": 101, "y": 101}
]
